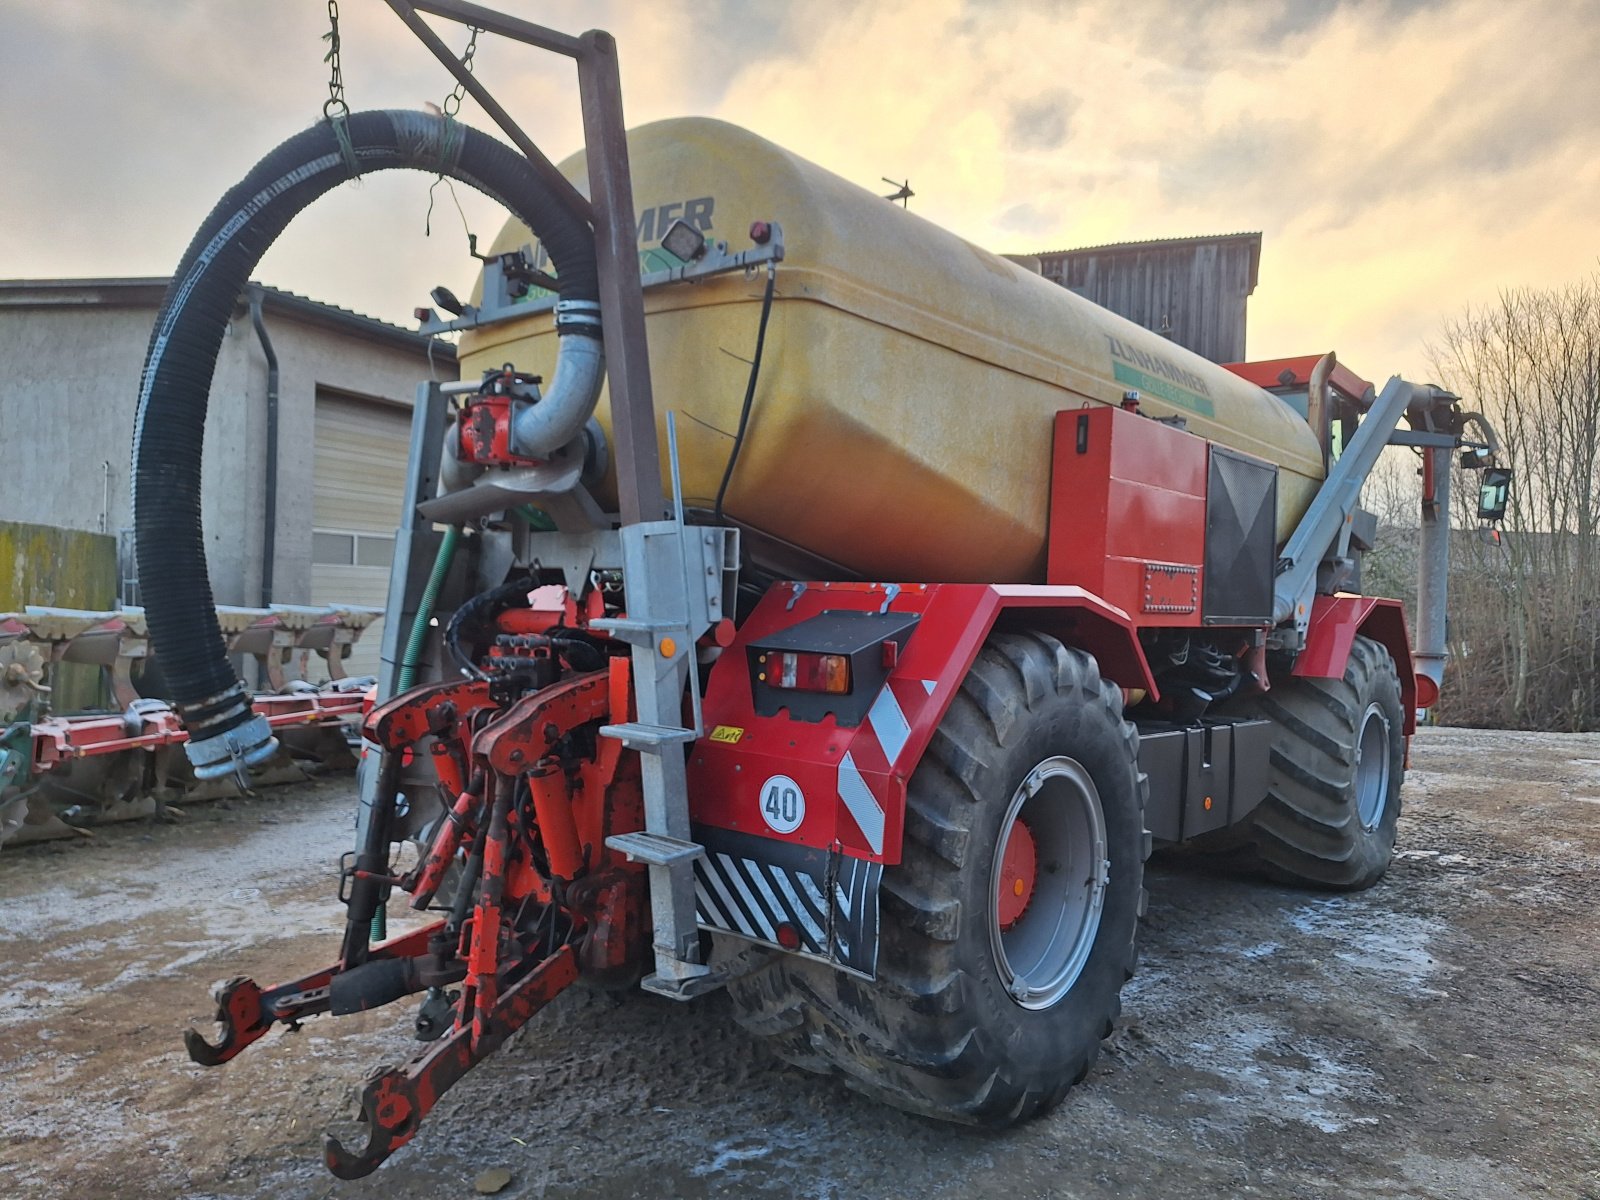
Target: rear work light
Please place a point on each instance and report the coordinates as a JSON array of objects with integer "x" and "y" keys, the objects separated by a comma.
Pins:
[{"x": 799, "y": 671}]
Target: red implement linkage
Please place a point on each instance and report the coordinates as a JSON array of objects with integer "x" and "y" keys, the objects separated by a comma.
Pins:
[
  {"x": 531, "y": 811},
  {"x": 396, "y": 1099},
  {"x": 245, "y": 1012}
]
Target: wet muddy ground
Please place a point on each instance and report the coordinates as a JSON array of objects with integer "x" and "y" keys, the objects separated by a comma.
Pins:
[{"x": 1437, "y": 1036}]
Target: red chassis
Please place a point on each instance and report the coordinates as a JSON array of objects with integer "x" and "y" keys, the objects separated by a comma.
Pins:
[{"x": 530, "y": 790}]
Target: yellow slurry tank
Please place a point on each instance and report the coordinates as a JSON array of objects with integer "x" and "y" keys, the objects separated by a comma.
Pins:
[{"x": 902, "y": 424}]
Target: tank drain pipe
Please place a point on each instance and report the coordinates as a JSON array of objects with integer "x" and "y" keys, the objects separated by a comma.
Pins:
[
  {"x": 269, "y": 521},
  {"x": 417, "y": 642},
  {"x": 1433, "y": 563}
]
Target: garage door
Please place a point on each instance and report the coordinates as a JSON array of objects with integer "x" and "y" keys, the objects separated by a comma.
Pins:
[{"x": 359, "y": 482}]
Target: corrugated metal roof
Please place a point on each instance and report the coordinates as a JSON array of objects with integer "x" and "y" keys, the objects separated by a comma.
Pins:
[
  {"x": 1153, "y": 244},
  {"x": 148, "y": 291},
  {"x": 1159, "y": 245}
]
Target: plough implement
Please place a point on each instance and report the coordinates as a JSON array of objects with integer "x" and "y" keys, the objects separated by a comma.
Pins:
[{"x": 66, "y": 771}]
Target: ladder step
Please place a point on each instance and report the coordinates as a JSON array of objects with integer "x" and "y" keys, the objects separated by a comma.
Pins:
[
  {"x": 655, "y": 849},
  {"x": 638, "y": 736},
  {"x": 687, "y": 987},
  {"x": 625, "y": 625}
]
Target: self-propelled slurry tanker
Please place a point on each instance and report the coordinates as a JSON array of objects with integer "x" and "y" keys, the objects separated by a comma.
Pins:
[{"x": 796, "y": 599}]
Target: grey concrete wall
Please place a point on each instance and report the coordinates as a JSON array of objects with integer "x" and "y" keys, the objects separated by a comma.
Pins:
[
  {"x": 69, "y": 377},
  {"x": 327, "y": 359},
  {"x": 68, "y": 380}
]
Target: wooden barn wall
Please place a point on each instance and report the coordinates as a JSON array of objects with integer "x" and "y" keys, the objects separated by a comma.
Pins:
[{"x": 1195, "y": 294}]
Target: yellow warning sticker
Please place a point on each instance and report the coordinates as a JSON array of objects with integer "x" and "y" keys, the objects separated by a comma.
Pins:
[{"x": 727, "y": 733}]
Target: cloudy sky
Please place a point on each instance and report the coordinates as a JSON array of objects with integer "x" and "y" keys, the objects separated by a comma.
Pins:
[{"x": 1403, "y": 159}]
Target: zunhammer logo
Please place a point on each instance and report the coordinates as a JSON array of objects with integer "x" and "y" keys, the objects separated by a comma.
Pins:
[
  {"x": 1158, "y": 376},
  {"x": 654, "y": 222}
]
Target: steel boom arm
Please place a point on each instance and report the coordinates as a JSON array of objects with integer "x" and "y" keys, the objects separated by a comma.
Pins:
[{"x": 1336, "y": 500}]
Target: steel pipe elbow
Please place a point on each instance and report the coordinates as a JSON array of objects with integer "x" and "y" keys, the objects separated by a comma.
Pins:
[{"x": 543, "y": 428}]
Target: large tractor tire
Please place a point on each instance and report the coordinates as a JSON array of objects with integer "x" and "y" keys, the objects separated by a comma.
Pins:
[
  {"x": 1008, "y": 928},
  {"x": 1333, "y": 792}
]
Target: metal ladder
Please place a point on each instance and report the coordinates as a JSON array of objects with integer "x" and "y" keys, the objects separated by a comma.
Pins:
[{"x": 674, "y": 579}]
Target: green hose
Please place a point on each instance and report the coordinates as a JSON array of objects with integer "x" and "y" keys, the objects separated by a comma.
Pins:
[
  {"x": 420, "y": 624},
  {"x": 537, "y": 518},
  {"x": 418, "y": 639}
]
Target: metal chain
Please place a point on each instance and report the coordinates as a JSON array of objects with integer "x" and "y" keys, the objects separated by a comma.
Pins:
[
  {"x": 452, "y": 102},
  {"x": 335, "y": 103},
  {"x": 451, "y": 106}
]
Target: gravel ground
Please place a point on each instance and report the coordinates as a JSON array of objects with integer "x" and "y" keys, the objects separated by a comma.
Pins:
[{"x": 1437, "y": 1036}]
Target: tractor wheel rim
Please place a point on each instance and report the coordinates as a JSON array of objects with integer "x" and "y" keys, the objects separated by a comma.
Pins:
[
  {"x": 1042, "y": 952},
  {"x": 1372, "y": 767}
]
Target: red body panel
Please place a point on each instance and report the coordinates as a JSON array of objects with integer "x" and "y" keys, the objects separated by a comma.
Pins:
[
  {"x": 1296, "y": 372},
  {"x": 1128, "y": 513},
  {"x": 1335, "y": 623},
  {"x": 1126, "y": 552},
  {"x": 853, "y": 779}
]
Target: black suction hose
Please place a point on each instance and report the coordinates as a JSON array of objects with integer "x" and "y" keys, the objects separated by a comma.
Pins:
[{"x": 194, "y": 317}]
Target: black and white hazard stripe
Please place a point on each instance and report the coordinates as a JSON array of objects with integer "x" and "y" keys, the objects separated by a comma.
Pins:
[
  {"x": 755, "y": 898},
  {"x": 752, "y": 886}
]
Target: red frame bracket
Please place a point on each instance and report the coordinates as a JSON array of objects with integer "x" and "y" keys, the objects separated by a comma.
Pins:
[{"x": 1335, "y": 623}]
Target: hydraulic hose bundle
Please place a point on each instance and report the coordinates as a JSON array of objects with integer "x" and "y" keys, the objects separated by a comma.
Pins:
[{"x": 225, "y": 733}]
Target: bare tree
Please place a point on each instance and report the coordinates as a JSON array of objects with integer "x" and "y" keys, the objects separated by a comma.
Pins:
[
  {"x": 1525, "y": 618},
  {"x": 1392, "y": 493}
]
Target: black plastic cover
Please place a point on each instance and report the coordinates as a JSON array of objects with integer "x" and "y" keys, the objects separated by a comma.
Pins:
[
  {"x": 1241, "y": 539},
  {"x": 749, "y": 886}
]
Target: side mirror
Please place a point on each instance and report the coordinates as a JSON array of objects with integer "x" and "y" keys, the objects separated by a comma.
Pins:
[{"x": 1493, "y": 493}]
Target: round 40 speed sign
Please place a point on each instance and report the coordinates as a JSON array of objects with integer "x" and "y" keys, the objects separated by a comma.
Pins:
[{"x": 783, "y": 804}]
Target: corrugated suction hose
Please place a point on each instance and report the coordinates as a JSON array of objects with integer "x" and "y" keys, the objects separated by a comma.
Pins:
[{"x": 226, "y": 734}]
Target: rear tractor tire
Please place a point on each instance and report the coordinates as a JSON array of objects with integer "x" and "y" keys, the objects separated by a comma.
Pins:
[
  {"x": 1008, "y": 928},
  {"x": 1333, "y": 791}
]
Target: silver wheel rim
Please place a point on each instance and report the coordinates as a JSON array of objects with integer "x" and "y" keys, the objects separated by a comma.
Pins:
[
  {"x": 1041, "y": 956},
  {"x": 1372, "y": 767}
]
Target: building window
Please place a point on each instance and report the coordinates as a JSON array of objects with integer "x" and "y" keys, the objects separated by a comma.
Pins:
[
  {"x": 373, "y": 550},
  {"x": 336, "y": 548}
]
